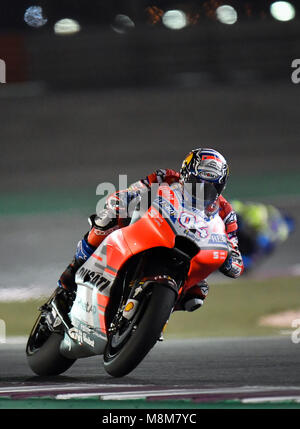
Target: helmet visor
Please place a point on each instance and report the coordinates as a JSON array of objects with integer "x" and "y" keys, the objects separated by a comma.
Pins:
[{"x": 202, "y": 190}]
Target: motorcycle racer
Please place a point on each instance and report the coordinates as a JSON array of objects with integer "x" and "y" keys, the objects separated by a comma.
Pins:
[
  {"x": 201, "y": 166},
  {"x": 262, "y": 227}
]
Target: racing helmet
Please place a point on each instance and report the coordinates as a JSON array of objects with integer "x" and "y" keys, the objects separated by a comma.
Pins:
[{"x": 207, "y": 167}]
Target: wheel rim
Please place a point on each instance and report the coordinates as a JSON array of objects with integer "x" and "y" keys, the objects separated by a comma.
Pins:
[{"x": 116, "y": 341}]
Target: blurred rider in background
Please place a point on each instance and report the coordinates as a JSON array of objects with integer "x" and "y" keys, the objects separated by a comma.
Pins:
[
  {"x": 206, "y": 166},
  {"x": 261, "y": 228}
]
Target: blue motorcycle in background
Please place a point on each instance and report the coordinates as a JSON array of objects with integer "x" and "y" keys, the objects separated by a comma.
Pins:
[{"x": 262, "y": 228}]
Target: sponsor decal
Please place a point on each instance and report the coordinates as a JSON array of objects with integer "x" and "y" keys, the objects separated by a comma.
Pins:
[
  {"x": 129, "y": 306},
  {"x": 202, "y": 232},
  {"x": 87, "y": 307},
  {"x": 219, "y": 255},
  {"x": 165, "y": 209},
  {"x": 213, "y": 164},
  {"x": 218, "y": 239},
  {"x": 230, "y": 218},
  {"x": 88, "y": 340},
  {"x": 130, "y": 309},
  {"x": 155, "y": 216},
  {"x": 187, "y": 220},
  {"x": 95, "y": 279},
  {"x": 75, "y": 334},
  {"x": 81, "y": 337},
  {"x": 210, "y": 175}
]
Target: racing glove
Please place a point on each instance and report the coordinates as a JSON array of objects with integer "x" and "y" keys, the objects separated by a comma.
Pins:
[
  {"x": 162, "y": 176},
  {"x": 233, "y": 266}
]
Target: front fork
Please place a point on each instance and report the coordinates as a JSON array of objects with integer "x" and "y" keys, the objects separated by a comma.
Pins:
[{"x": 139, "y": 290}]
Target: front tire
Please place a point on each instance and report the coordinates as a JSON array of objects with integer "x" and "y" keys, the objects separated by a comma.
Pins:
[{"x": 147, "y": 331}]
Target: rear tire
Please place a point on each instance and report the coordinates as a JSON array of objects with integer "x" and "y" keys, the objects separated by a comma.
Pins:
[
  {"x": 148, "y": 330},
  {"x": 44, "y": 357}
]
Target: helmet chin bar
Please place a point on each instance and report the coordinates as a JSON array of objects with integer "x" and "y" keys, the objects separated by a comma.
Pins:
[
  {"x": 202, "y": 189},
  {"x": 201, "y": 196}
]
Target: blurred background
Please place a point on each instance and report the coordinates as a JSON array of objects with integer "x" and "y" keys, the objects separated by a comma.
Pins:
[{"x": 101, "y": 88}]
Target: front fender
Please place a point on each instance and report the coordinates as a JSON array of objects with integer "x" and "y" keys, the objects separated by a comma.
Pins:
[
  {"x": 161, "y": 280},
  {"x": 134, "y": 301}
]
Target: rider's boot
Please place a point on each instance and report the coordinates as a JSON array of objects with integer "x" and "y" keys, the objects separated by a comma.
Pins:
[
  {"x": 67, "y": 278},
  {"x": 66, "y": 291},
  {"x": 67, "y": 287},
  {"x": 194, "y": 297},
  {"x": 101, "y": 227}
]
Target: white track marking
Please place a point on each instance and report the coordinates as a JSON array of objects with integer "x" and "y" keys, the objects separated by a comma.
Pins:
[
  {"x": 185, "y": 392},
  {"x": 77, "y": 395},
  {"x": 52, "y": 388},
  {"x": 271, "y": 399},
  {"x": 127, "y": 391}
]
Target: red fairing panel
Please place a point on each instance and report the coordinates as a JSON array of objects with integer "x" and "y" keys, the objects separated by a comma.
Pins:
[
  {"x": 150, "y": 231},
  {"x": 203, "y": 264}
]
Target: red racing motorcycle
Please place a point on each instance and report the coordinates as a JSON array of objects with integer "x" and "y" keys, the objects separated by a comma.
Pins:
[{"x": 128, "y": 288}]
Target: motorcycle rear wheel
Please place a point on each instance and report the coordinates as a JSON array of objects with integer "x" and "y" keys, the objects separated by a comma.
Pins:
[
  {"x": 145, "y": 334},
  {"x": 44, "y": 357}
]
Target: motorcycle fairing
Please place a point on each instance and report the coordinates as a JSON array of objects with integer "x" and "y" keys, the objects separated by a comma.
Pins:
[{"x": 158, "y": 227}]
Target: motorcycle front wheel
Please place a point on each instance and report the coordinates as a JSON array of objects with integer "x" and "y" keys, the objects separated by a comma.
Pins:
[{"x": 144, "y": 333}]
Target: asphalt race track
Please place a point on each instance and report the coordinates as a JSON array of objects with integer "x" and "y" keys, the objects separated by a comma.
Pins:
[
  {"x": 77, "y": 141},
  {"x": 208, "y": 370},
  {"x": 205, "y": 370}
]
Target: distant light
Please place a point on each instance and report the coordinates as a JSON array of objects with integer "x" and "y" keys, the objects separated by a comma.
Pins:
[
  {"x": 175, "y": 19},
  {"x": 122, "y": 24},
  {"x": 34, "y": 17},
  {"x": 282, "y": 11},
  {"x": 66, "y": 26},
  {"x": 226, "y": 14}
]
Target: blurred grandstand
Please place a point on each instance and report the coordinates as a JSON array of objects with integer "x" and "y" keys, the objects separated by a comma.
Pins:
[
  {"x": 101, "y": 88},
  {"x": 77, "y": 43}
]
